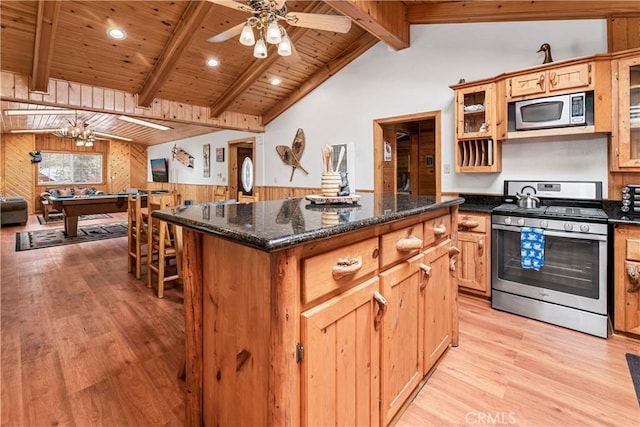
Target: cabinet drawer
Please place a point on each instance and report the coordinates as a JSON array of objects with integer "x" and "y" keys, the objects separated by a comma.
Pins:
[
  {"x": 338, "y": 268},
  {"x": 633, "y": 249},
  {"x": 400, "y": 244},
  {"x": 472, "y": 222},
  {"x": 437, "y": 229}
]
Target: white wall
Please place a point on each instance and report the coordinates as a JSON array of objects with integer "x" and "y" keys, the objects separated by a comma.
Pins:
[
  {"x": 384, "y": 83},
  {"x": 194, "y": 145}
]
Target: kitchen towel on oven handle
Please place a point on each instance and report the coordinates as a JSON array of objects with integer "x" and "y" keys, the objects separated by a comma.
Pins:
[{"x": 532, "y": 248}]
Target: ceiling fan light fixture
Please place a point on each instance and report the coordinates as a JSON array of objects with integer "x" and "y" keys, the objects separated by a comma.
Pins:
[
  {"x": 273, "y": 33},
  {"x": 284, "y": 47},
  {"x": 260, "y": 49},
  {"x": 246, "y": 36}
]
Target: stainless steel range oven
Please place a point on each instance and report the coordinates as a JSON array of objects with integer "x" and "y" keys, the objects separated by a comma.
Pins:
[{"x": 568, "y": 287}]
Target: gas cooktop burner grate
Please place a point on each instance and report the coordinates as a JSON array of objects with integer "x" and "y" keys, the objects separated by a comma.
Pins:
[
  {"x": 567, "y": 211},
  {"x": 552, "y": 212}
]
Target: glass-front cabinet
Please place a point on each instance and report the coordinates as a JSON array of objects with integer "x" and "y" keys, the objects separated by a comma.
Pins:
[
  {"x": 476, "y": 128},
  {"x": 626, "y": 136}
]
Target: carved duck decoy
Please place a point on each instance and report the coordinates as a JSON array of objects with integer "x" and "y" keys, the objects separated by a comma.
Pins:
[{"x": 546, "y": 48}]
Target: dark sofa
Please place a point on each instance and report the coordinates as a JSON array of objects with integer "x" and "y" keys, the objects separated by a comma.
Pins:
[{"x": 13, "y": 210}]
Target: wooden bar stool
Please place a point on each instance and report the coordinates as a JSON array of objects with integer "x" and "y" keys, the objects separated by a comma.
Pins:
[
  {"x": 163, "y": 245},
  {"x": 136, "y": 234}
]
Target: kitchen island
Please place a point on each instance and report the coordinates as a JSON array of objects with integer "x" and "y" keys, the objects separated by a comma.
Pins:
[{"x": 304, "y": 314}]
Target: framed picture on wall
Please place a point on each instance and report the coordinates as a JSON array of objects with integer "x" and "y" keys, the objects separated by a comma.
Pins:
[
  {"x": 206, "y": 155},
  {"x": 220, "y": 154}
]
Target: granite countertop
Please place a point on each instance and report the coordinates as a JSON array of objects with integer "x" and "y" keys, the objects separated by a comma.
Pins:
[
  {"x": 278, "y": 224},
  {"x": 480, "y": 203}
]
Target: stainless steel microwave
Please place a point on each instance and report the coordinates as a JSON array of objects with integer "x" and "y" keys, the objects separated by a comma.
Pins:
[{"x": 551, "y": 112}]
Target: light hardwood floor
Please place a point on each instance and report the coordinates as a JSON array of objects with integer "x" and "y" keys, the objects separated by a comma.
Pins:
[{"x": 85, "y": 343}]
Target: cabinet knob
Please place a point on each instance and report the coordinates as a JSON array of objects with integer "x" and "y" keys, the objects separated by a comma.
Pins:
[
  {"x": 439, "y": 229},
  {"x": 426, "y": 274},
  {"x": 382, "y": 309},
  {"x": 480, "y": 245},
  {"x": 346, "y": 267},
  {"x": 541, "y": 82},
  {"x": 552, "y": 78},
  {"x": 468, "y": 223},
  {"x": 632, "y": 272},
  {"x": 453, "y": 256},
  {"x": 409, "y": 243}
]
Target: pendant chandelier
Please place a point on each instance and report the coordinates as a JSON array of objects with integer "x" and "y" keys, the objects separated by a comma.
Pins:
[
  {"x": 78, "y": 132},
  {"x": 269, "y": 31}
]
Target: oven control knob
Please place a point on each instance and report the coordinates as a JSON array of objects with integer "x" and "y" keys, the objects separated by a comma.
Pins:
[
  {"x": 568, "y": 227},
  {"x": 544, "y": 224},
  {"x": 584, "y": 228},
  {"x": 507, "y": 220},
  {"x": 521, "y": 222}
]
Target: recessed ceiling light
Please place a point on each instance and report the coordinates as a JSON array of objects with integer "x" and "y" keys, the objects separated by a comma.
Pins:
[
  {"x": 212, "y": 62},
  {"x": 143, "y": 123},
  {"x": 117, "y": 33},
  {"x": 276, "y": 81},
  {"x": 37, "y": 112}
]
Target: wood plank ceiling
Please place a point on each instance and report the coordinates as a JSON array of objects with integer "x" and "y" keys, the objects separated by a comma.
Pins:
[{"x": 163, "y": 57}]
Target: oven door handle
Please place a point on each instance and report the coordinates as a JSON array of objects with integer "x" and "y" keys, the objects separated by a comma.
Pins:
[{"x": 554, "y": 233}]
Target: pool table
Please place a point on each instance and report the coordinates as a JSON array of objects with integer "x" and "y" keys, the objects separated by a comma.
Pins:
[{"x": 74, "y": 206}]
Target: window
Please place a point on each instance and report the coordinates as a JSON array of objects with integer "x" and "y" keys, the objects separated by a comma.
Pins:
[{"x": 70, "y": 168}]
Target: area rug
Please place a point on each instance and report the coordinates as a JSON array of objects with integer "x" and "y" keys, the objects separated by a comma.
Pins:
[
  {"x": 59, "y": 218},
  {"x": 38, "y": 239},
  {"x": 634, "y": 368}
]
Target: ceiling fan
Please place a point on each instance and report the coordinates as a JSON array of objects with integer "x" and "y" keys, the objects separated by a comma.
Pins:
[{"x": 265, "y": 17}]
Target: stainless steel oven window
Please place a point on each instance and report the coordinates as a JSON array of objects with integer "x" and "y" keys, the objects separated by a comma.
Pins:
[{"x": 572, "y": 262}]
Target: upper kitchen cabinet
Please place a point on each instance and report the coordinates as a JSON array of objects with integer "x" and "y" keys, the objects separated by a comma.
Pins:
[
  {"x": 625, "y": 138},
  {"x": 551, "y": 80},
  {"x": 587, "y": 79},
  {"x": 478, "y": 125}
]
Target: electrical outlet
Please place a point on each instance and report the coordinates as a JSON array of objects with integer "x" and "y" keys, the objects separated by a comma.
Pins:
[{"x": 447, "y": 168}]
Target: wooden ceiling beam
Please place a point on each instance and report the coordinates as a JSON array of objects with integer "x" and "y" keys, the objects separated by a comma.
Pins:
[
  {"x": 65, "y": 94},
  {"x": 46, "y": 25},
  {"x": 331, "y": 68},
  {"x": 190, "y": 21},
  {"x": 386, "y": 20},
  {"x": 257, "y": 68},
  {"x": 495, "y": 11}
]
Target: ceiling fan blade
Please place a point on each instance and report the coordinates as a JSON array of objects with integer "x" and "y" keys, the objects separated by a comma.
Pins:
[
  {"x": 227, "y": 34},
  {"x": 336, "y": 23},
  {"x": 233, "y": 5}
]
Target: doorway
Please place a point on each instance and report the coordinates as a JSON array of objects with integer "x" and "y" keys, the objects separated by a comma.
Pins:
[
  {"x": 407, "y": 154},
  {"x": 241, "y": 170}
]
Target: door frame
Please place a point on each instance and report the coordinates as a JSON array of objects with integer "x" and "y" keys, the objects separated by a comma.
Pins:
[
  {"x": 378, "y": 147},
  {"x": 232, "y": 165}
]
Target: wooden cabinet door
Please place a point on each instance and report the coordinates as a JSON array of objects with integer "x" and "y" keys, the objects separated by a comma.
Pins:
[
  {"x": 475, "y": 109},
  {"x": 528, "y": 84},
  {"x": 626, "y": 135},
  {"x": 570, "y": 77},
  {"x": 437, "y": 304},
  {"x": 402, "y": 335},
  {"x": 626, "y": 290},
  {"x": 473, "y": 271},
  {"x": 340, "y": 366}
]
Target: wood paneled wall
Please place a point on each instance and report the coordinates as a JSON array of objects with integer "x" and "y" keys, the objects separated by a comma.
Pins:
[
  {"x": 125, "y": 165},
  {"x": 623, "y": 32},
  {"x": 19, "y": 173},
  {"x": 199, "y": 193}
]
